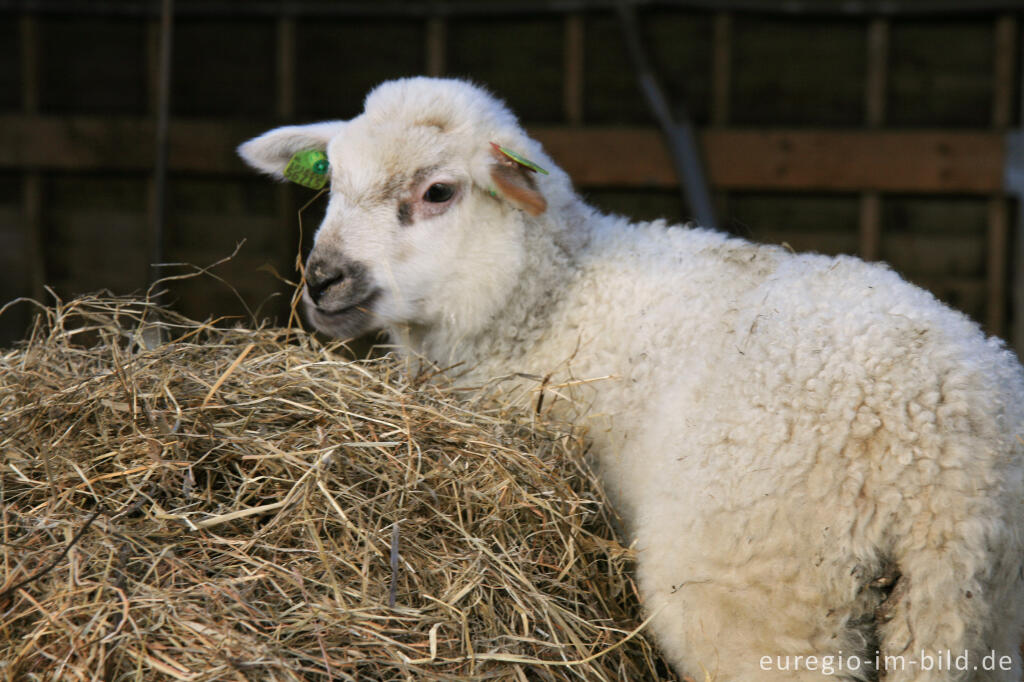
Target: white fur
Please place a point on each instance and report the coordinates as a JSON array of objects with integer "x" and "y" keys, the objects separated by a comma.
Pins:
[{"x": 780, "y": 432}]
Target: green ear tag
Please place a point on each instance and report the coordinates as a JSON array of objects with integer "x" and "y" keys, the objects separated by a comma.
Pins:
[
  {"x": 519, "y": 158},
  {"x": 308, "y": 168}
]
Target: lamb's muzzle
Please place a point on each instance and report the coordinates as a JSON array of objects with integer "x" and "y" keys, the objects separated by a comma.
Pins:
[
  {"x": 320, "y": 276},
  {"x": 339, "y": 295}
]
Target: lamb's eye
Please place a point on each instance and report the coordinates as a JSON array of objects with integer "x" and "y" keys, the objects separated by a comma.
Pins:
[{"x": 438, "y": 193}]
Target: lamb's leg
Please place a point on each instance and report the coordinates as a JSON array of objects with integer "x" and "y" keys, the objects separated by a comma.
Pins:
[
  {"x": 716, "y": 624},
  {"x": 951, "y": 617}
]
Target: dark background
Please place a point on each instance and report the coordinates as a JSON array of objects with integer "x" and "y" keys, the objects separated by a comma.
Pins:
[{"x": 876, "y": 129}]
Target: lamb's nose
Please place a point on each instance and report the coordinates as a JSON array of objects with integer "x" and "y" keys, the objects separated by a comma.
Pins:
[{"x": 320, "y": 276}]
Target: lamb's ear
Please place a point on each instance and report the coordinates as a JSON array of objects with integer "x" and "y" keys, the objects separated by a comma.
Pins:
[
  {"x": 271, "y": 151},
  {"x": 513, "y": 178}
]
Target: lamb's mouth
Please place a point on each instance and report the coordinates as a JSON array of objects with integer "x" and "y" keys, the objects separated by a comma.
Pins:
[
  {"x": 346, "y": 322},
  {"x": 363, "y": 306}
]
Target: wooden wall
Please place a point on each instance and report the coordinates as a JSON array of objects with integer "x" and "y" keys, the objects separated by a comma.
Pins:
[{"x": 879, "y": 136}]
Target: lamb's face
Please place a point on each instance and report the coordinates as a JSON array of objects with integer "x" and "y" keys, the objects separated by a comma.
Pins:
[
  {"x": 396, "y": 227},
  {"x": 425, "y": 219}
]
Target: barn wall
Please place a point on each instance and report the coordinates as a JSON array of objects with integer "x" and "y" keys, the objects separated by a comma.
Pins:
[{"x": 80, "y": 222}]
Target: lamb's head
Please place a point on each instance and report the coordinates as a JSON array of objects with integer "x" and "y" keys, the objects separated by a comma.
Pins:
[{"x": 426, "y": 220}]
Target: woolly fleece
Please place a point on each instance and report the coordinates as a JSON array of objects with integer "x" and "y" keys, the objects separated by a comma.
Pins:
[{"x": 785, "y": 435}]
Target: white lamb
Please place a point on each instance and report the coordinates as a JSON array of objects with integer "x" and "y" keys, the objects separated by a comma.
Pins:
[{"x": 819, "y": 463}]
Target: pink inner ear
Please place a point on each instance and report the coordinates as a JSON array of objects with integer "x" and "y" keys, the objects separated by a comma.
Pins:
[
  {"x": 511, "y": 185},
  {"x": 516, "y": 184}
]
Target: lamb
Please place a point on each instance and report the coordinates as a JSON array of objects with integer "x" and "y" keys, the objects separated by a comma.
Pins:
[{"x": 818, "y": 463}]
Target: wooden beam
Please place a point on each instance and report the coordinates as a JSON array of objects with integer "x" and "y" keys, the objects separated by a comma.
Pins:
[
  {"x": 118, "y": 143},
  {"x": 152, "y": 57},
  {"x": 721, "y": 96},
  {"x": 792, "y": 160},
  {"x": 1003, "y": 81},
  {"x": 282, "y": 235},
  {"x": 919, "y": 161},
  {"x": 877, "y": 58},
  {"x": 876, "y": 76},
  {"x": 32, "y": 181},
  {"x": 152, "y": 65},
  {"x": 573, "y": 69},
  {"x": 869, "y": 238},
  {"x": 998, "y": 243},
  {"x": 285, "y": 62},
  {"x": 32, "y": 208},
  {"x": 948, "y": 161},
  {"x": 1004, "y": 76},
  {"x": 29, "y": 30},
  {"x": 436, "y": 46}
]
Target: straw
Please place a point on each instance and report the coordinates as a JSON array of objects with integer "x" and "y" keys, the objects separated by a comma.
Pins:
[{"x": 253, "y": 504}]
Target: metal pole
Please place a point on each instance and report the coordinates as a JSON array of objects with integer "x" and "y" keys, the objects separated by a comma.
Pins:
[
  {"x": 159, "y": 217},
  {"x": 681, "y": 138}
]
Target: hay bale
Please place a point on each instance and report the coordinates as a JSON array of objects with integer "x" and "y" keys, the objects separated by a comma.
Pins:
[{"x": 249, "y": 504}]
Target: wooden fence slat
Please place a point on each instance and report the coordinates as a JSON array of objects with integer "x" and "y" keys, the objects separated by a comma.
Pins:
[
  {"x": 995, "y": 270},
  {"x": 796, "y": 160},
  {"x": 966, "y": 162},
  {"x": 436, "y": 46},
  {"x": 869, "y": 237},
  {"x": 875, "y": 89},
  {"x": 870, "y": 229},
  {"x": 32, "y": 181},
  {"x": 1003, "y": 81},
  {"x": 1004, "y": 65},
  {"x": 885, "y": 161},
  {"x": 573, "y": 68},
  {"x": 281, "y": 234},
  {"x": 285, "y": 63},
  {"x": 29, "y": 30},
  {"x": 32, "y": 206},
  {"x": 721, "y": 95}
]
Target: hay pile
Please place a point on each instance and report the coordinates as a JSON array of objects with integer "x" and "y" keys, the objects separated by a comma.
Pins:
[{"x": 249, "y": 505}]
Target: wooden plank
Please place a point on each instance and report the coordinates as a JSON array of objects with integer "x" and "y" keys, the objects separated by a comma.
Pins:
[
  {"x": 1004, "y": 80},
  {"x": 874, "y": 114},
  {"x": 119, "y": 143},
  {"x": 1004, "y": 66},
  {"x": 951, "y": 255},
  {"x": 967, "y": 162},
  {"x": 721, "y": 86},
  {"x": 152, "y": 65},
  {"x": 153, "y": 108},
  {"x": 32, "y": 207},
  {"x": 29, "y": 30},
  {"x": 574, "y": 66},
  {"x": 798, "y": 160},
  {"x": 877, "y": 71},
  {"x": 436, "y": 46},
  {"x": 870, "y": 229},
  {"x": 32, "y": 182},
  {"x": 281, "y": 234},
  {"x": 886, "y": 161},
  {"x": 996, "y": 267},
  {"x": 15, "y": 271},
  {"x": 285, "y": 105}
]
